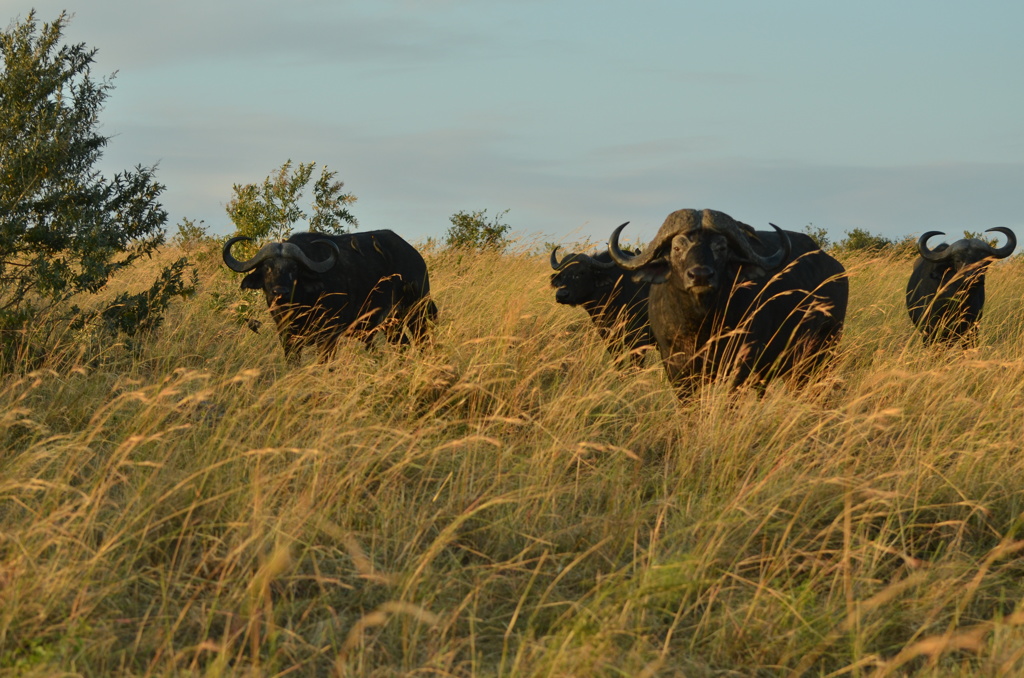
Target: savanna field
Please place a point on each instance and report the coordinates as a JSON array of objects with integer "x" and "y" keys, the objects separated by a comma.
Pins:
[{"x": 505, "y": 502}]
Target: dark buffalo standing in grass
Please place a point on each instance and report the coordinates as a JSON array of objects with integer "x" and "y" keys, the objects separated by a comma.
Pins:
[
  {"x": 615, "y": 303},
  {"x": 728, "y": 300},
  {"x": 946, "y": 290},
  {"x": 321, "y": 287}
]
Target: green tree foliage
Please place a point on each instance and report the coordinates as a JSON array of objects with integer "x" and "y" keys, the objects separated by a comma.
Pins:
[
  {"x": 270, "y": 210},
  {"x": 904, "y": 247},
  {"x": 860, "y": 240},
  {"x": 64, "y": 228},
  {"x": 472, "y": 230},
  {"x": 818, "y": 235},
  {"x": 191, "y": 234},
  {"x": 989, "y": 238}
]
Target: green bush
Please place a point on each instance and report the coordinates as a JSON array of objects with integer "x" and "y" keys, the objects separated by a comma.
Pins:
[
  {"x": 982, "y": 236},
  {"x": 192, "y": 235},
  {"x": 472, "y": 230},
  {"x": 860, "y": 240},
  {"x": 818, "y": 235},
  {"x": 269, "y": 211}
]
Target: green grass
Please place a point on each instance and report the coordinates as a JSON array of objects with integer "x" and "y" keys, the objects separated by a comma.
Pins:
[{"x": 504, "y": 502}]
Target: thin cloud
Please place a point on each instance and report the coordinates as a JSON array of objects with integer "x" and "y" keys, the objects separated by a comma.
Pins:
[{"x": 173, "y": 34}]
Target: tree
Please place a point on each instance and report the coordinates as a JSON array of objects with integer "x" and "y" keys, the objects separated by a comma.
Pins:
[
  {"x": 270, "y": 210},
  {"x": 860, "y": 240},
  {"x": 818, "y": 235},
  {"x": 471, "y": 230},
  {"x": 64, "y": 228}
]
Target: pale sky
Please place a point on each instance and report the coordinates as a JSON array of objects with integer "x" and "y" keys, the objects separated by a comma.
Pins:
[{"x": 575, "y": 115}]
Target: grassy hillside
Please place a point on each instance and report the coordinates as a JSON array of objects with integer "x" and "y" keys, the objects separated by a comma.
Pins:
[{"x": 504, "y": 502}]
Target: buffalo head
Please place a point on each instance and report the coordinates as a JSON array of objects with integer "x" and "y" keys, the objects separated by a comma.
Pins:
[
  {"x": 963, "y": 255},
  {"x": 581, "y": 279},
  {"x": 699, "y": 253},
  {"x": 278, "y": 268},
  {"x": 616, "y": 305}
]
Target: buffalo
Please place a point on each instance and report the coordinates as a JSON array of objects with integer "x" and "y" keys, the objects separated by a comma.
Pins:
[
  {"x": 726, "y": 299},
  {"x": 946, "y": 290},
  {"x": 615, "y": 303},
  {"x": 322, "y": 287}
]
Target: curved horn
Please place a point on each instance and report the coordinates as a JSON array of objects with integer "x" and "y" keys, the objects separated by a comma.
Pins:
[
  {"x": 783, "y": 254},
  {"x": 1007, "y": 249},
  {"x": 603, "y": 265},
  {"x": 293, "y": 251},
  {"x": 630, "y": 262},
  {"x": 580, "y": 258},
  {"x": 591, "y": 261},
  {"x": 932, "y": 255},
  {"x": 741, "y": 238},
  {"x": 554, "y": 259},
  {"x": 245, "y": 266},
  {"x": 333, "y": 258}
]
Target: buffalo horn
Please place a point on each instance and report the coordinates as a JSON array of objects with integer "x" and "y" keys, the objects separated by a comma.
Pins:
[
  {"x": 630, "y": 262},
  {"x": 579, "y": 259},
  {"x": 237, "y": 266},
  {"x": 1007, "y": 249},
  {"x": 598, "y": 264},
  {"x": 320, "y": 266},
  {"x": 740, "y": 239},
  {"x": 278, "y": 249},
  {"x": 932, "y": 255},
  {"x": 554, "y": 259}
]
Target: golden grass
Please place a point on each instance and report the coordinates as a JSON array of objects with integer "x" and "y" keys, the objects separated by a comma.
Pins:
[{"x": 503, "y": 501}]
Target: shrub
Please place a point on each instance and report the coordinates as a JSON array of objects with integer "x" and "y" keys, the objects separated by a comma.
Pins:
[
  {"x": 982, "y": 236},
  {"x": 818, "y": 235},
  {"x": 269, "y": 211},
  {"x": 860, "y": 240},
  {"x": 192, "y": 235},
  {"x": 472, "y": 230}
]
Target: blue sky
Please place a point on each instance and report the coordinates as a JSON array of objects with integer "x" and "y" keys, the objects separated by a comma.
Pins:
[{"x": 895, "y": 117}]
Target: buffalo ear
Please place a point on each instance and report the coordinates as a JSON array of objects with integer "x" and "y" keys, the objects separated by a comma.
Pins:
[
  {"x": 656, "y": 272},
  {"x": 750, "y": 272},
  {"x": 253, "y": 281}
]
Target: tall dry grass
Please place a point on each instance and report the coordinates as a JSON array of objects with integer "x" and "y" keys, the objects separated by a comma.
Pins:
[{"x": 504, "y": 502}]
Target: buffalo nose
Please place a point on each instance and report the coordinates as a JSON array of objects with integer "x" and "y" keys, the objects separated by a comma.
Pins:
[
  {"x": 700, "y": 276},
  {"x": 561, "y": 294},
  {"x": 280, "y": 292}
]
